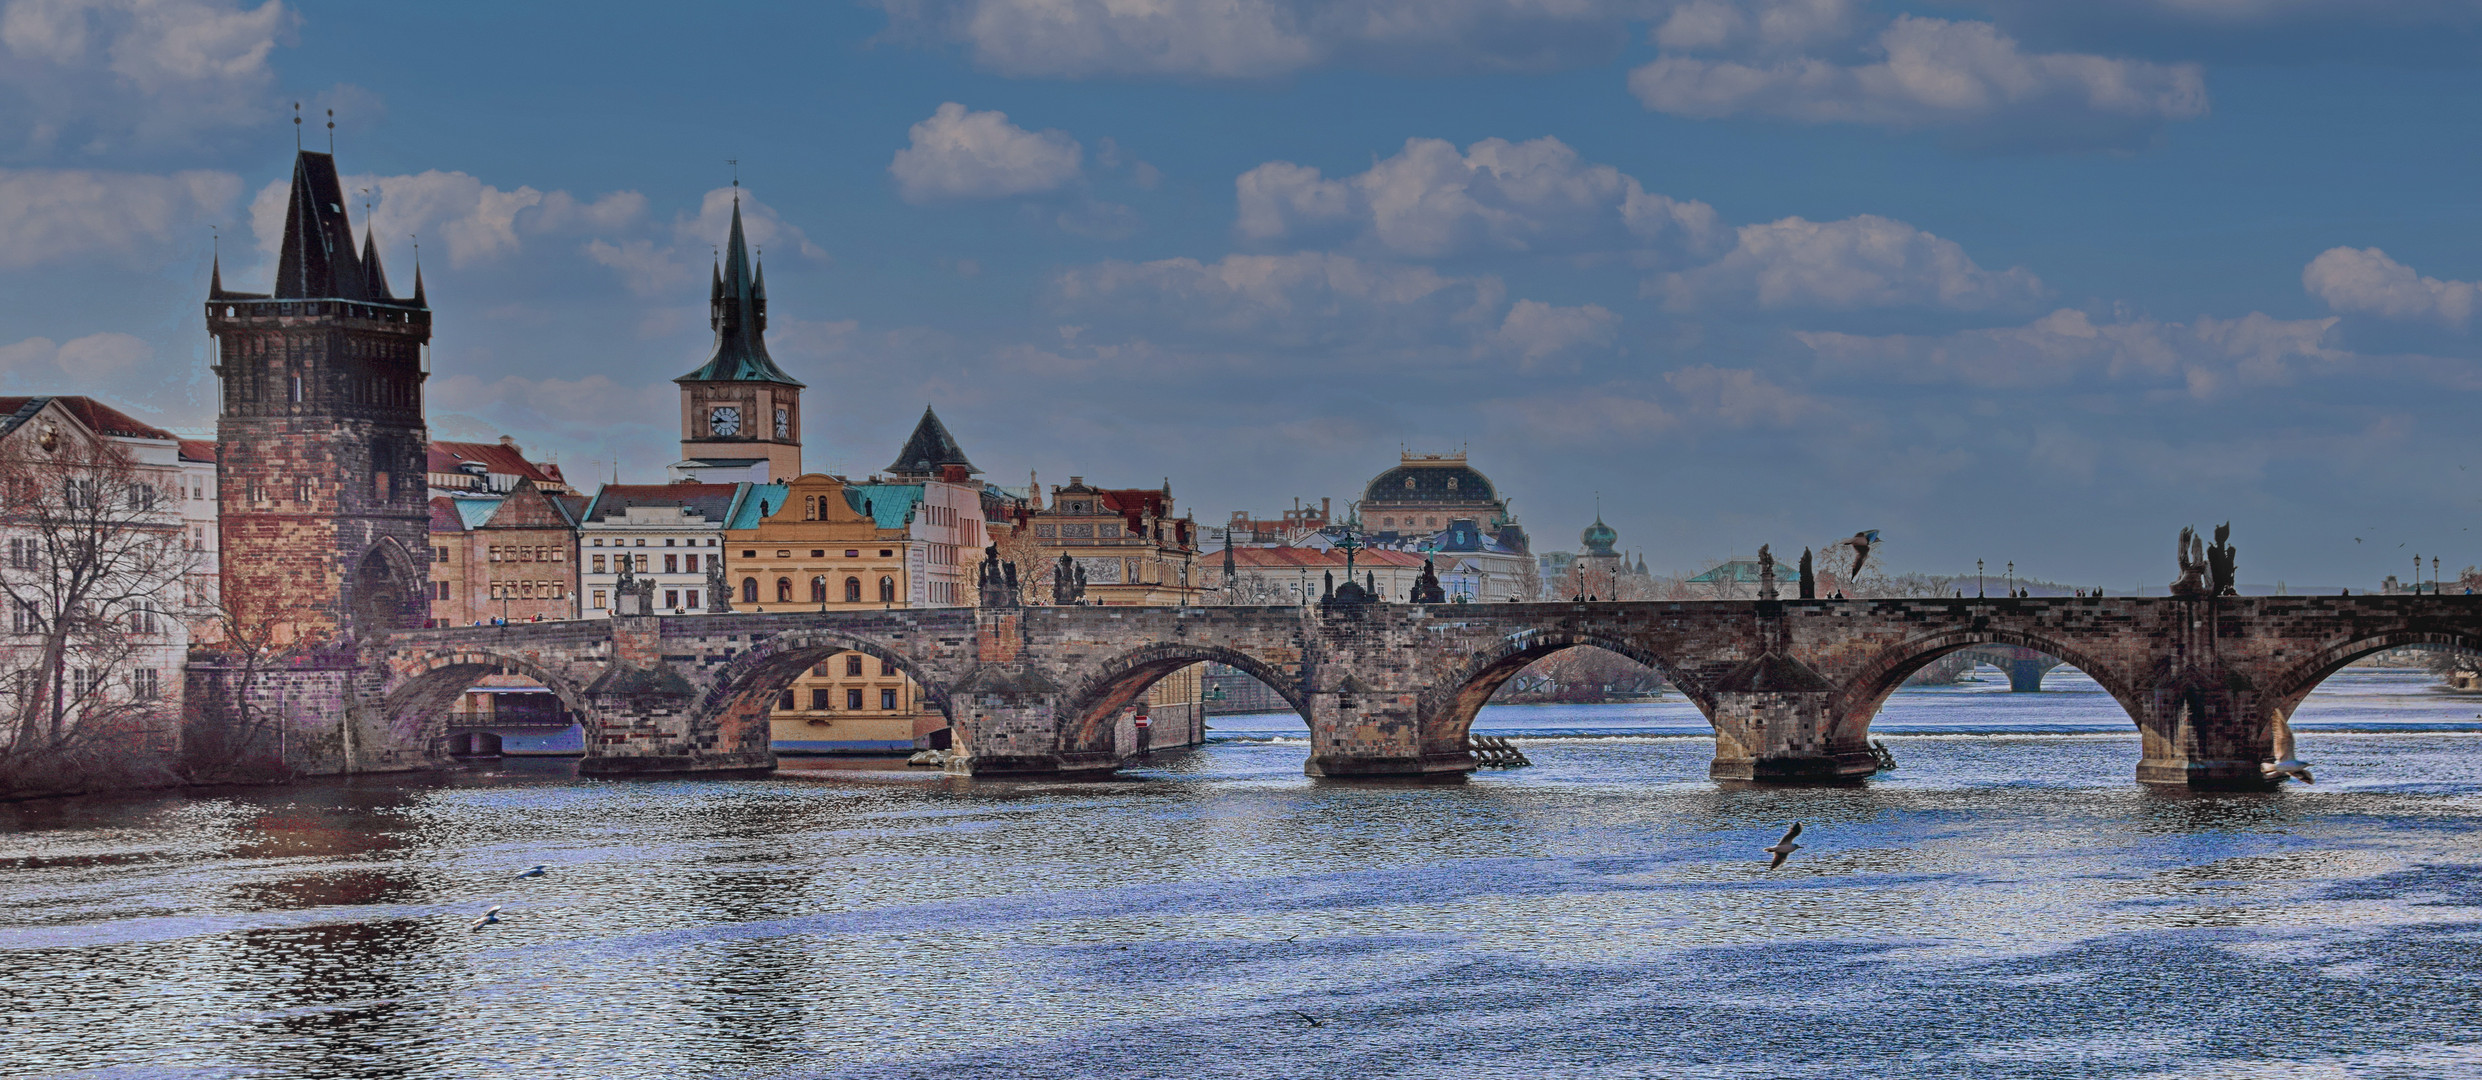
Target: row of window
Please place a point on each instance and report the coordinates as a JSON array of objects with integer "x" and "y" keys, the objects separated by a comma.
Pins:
[
  {"x": 823, "y": 700},
  {"x": 26, "y": 618},
  {"x": 516, "y": 553},
  {"x": 668, "y": 542},
  {"x": 819, "y": 590},
  {"x": 673, "y": 564}
]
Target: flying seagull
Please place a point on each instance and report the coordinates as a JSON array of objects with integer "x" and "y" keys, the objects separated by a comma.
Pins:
[
  {"x": 1313, "y": 1021},
  {"x": 489, "y": 917},
  {"x": 532, "y": 871},
  {"x": 2289, "y": 768},
  {"x": 1785, "y": 847},
  {"x": 1861, "y": 543}
]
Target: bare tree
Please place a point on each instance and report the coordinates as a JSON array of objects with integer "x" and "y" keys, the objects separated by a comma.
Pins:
[
  {"x": 94, "y": 578},
  {"x": 1034, "y": 569},
  {"x": 225, "y": 735}
]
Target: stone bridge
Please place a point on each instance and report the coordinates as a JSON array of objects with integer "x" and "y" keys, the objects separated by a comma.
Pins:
[{"x": 1389, "y": 690}]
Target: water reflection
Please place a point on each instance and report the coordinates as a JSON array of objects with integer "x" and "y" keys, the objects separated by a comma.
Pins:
[{"x": 1999, "y": 906}]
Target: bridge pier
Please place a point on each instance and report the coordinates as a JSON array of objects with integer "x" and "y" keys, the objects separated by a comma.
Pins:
[
  {"x": 2206, "y": 738},
  {"x": 2025, "y": 676},
  {"x": 643, "y": 717},
  {"x": 1361, "y": 733},
  {"x": 1014, "y": 723},
  {"x": 1783, "y": 737}
]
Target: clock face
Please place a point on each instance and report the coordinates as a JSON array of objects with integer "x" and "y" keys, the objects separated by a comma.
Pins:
[
  {"x": 784, "y": 423},
  {"x": 725, "y": 420}
]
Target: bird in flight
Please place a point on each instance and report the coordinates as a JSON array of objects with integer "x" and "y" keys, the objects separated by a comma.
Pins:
[
  {"x": 489, "y": 918},
  {"x": 1309, "y": 1019},
  {"x": 1785, "y": 847},
  {"x": 532, "y": 871},
  {"x": 2289, "y": 768},
  {"x": 1861, "y": 543}
]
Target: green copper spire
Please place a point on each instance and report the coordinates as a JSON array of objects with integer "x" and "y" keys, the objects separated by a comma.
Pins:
[{"x": 737, "y": 308}]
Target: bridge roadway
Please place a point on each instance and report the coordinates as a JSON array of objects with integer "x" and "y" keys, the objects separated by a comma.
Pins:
[{"x": 1388, "y": 690}]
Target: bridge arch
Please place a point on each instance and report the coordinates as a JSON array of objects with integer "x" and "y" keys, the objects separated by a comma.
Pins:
[
  {"x": 422, "y": 689},
  {"x": 1448, "y": 709},
  {"x": 1093, "y": 705},
  {"x": 1868, "y": 688},
  {"x": 2297, "y": 680},
  {"x": 744, "y": 690}
]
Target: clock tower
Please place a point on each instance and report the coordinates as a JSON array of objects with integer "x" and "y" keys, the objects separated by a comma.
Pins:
[{"x": 740, "y": 413}]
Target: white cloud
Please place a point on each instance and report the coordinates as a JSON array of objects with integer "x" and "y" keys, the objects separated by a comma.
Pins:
[
  {"x": 1430, "y": 201},
  {"x": 94, "y": 70},
  {"x": 49, "y": 215},
  {"x": 2366, "y": 282},
  {"x": 1251, "y": 39},
  {"x": 1737, "y": 397},
  {"x": 1857, "y": 263},
  {"x": 1540, "y": 335},
  {"x": 959, "y": 154},
  {"x": 1333, "y": 308},
  {"x": 1928, "y": 73},
  {"x": 1300, "y": 300},
  {"x": 2200, "y": 357},
  {"x": 471, "y": 220},
  {"x": 119, "y": 368}
]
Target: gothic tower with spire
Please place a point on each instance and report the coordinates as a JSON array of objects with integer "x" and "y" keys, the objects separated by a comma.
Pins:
[
  {"x": 740, "y": 413},
  {"x": 321, "y": 445}
]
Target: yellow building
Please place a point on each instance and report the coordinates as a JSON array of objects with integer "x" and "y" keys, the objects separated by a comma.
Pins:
[{"x": 816, "y": 543}]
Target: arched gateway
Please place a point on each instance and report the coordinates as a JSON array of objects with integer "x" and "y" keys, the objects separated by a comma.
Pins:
[{"x": 1389, "y": 690}]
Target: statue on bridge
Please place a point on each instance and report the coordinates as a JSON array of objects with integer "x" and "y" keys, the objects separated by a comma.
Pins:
[
  {"x": 998, "y": 580},
  {"x": 719, "y": 590},
  {"x": 1068, "y": 582},
  {"x": 1428, "y": 590},
  {"x": 2219, "y": 562},
  {"x": 1766, "y": 573},
  {"x": 631, "y": 594},
  {"x": 2204, "y": 570}
]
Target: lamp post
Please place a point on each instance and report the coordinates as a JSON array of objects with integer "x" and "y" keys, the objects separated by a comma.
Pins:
[
  {"x": 2012, "y": 579},
  {"x": 1978, "y": 589}
]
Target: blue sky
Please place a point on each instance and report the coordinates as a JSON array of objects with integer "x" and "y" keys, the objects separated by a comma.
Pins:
[{"x": 2004, "y": 279}]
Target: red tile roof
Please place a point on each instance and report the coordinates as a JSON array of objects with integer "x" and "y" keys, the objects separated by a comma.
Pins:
[
  {"x": 101, "y": 418},
  {"x": 506, "y": 459},
  {"x": 1288, "y": 558},
  {"x": 197, "y": 450}
]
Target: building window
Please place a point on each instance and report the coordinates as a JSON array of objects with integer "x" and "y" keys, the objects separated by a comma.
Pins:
[
  {"x": 22, "y": 553},
  {"x": 853, "y": 700},
  {"x": 439, "y": 554},
  {"x": 641, "y": 561},
  {"x": 143, "y": 684},
  {"x": 819, "y": 700},
  {"x": 887, "y": 590},
  {"x": 749, "y": 590},
  {"x": 887, "y": 667},
  {"x": 818, "y": 590},
  {"x": 784, "y": 701},
  {"x": 852, "y": 554},
  {"x": 672, "y": 598},
  {"x": 599, "y": 599},
  {"x": 853, "y": 665},
  {"x": 853, "y": 590},
  {"x": 784, "y": 590},
  {"x": 598, "y": 564},
  {"x": 443, "y": 590},
  {"x": 23, "y": 619},
  {"x": 672, "y": 564},
  {"x": 692, "y": 596},
  {"x": 887, "y": 700},
  {"x": 668, "y": 541}
]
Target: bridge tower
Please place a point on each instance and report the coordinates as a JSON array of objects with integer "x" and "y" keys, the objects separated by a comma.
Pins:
[
  {"x": 740, "y": 413},
  {"x": 321, "y": 447}
]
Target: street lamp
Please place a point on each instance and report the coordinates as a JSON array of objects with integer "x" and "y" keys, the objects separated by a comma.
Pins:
[
  {"x": 2012, "y": 579},
  {"x": 1979, "y": 592}
]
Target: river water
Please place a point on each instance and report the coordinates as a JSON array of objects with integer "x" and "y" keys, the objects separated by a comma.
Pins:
[{"x": 2007, "y": 903}]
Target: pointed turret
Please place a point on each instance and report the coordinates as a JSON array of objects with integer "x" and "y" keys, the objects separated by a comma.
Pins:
[
  {"x": 738, "y": 311},
  {"x": 215, "y": 278},
  {"x": 418, "y": 300},
  {"x": 374, "y": 279},
  {"x": 315, "y": 260},
  {"x": 930, "y": 449}
]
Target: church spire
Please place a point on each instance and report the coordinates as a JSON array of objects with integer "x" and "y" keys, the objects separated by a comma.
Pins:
[
  {"x": 375, "y": 280},
  {"x": 738, "y": 312}
]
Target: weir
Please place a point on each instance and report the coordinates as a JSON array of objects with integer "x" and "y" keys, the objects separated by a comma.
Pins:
[{"x": 1388, "y": 690}]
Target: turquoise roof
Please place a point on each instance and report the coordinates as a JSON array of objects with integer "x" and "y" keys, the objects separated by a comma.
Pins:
[
  {"x": 890, "y": 504},
  {"x": 756, "y": 502},
  {"x": 473, "y": 511}
]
